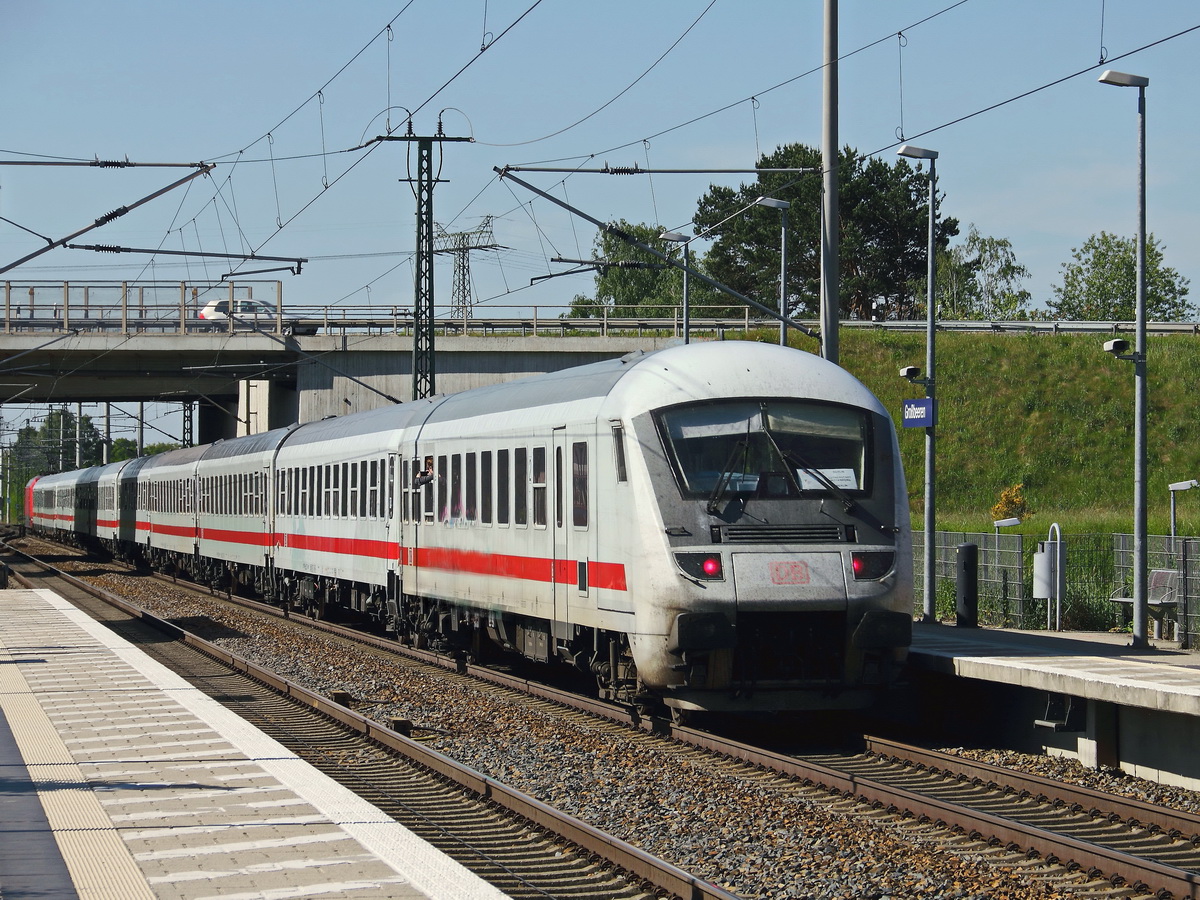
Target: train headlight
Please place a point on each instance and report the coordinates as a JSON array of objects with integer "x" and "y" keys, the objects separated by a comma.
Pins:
[
  {"x": 704, "y": 566},
  {"x": 871, "y": 565}
]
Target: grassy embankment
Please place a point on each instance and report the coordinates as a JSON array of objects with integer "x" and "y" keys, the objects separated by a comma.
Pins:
[{"x": 1053, "y": 413}]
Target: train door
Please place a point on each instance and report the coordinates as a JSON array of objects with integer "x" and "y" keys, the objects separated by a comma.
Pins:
[
  {"x": 560, "y": 476},
  {"x": 397, "y": 504}
]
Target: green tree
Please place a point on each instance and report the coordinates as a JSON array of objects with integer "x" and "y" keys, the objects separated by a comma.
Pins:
[
  {"x": 631, "y": 282},
  {"x": 123, "y": 448},
  {"x": 50, "y": 447},
  {"x": 1101, "y": 284},
  {"x": 884, "y": 214},
  {"x": 980, "y": 278}
]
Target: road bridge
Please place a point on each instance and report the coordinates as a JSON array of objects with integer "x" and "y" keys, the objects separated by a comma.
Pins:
[
  {"x": 62, "y": 342},
  {"x": 247, "y": 381}
]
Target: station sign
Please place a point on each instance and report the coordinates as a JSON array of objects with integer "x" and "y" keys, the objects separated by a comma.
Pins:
[{"x": 920, "y": 413}]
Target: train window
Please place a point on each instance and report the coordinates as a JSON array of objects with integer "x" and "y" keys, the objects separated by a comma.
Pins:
[
  {"x": 343, "y": 494},
  {"x": 472, "y": 485},
  {"x": 456, "y": 485},
  {"x": 352, "y": 490},
  {"x": 373, "y": 489},
  {"x": 443, "y": 509},
  {"x": 618, "y": 432},
  {"x": 558, "y": 487},
  {"x": 767, "y": 448},
  {"x": 502, "y": 479},
  {"x": 539, "y": 486},
  {"x": 485, "y": 487},
  {"x": 330, "y": 474},
  {"x": 579, "y": 484},
  {"x": 521, "y": 486},
  {"x": 362, "y": 489}
]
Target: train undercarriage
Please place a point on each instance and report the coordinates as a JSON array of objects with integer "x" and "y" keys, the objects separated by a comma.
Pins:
[{"x": 424, "y": 623}]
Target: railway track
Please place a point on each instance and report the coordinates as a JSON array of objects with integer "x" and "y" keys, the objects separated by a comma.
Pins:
[
  {"x": 1095, "y": 843},
  {"x": 521, "y": 846}
]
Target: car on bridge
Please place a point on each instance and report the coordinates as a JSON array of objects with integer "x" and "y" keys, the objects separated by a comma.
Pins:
[{"x": 255, "y": 314}]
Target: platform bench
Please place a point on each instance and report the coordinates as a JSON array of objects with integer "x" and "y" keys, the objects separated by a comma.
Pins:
[{"x": 1162, "y": 596}]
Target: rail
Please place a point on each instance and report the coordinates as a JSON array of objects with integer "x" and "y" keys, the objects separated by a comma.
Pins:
[
  {"x": 663, "y": 876},
  {"x": 175, "y": 308}
]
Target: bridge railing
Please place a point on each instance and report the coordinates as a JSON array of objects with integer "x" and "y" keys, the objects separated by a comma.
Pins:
[{"x": 175, "y": 307}]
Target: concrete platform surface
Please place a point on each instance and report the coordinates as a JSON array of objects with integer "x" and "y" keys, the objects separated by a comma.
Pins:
[
  {"x": 120, "y": 780},
  {"x": 1093, "y": 666}
]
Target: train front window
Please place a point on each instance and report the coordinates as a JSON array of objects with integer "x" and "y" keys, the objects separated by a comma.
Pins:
[{"x": 767, "y": 448}]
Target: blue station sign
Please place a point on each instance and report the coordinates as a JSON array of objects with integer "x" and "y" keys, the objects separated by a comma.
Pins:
[{"x": 920, "y": 413}]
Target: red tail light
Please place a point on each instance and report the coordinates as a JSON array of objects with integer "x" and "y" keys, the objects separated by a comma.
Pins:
[
  {"x": 871, "y": 565},
  {"x": 704, "y": 566}
]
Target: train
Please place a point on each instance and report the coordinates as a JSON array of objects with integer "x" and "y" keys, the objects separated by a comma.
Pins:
[{"x": 716, "y": 527}]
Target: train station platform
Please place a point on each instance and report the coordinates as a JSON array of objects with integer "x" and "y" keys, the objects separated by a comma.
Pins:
[
  {"x": 120, "y": 780},
  {"x": 1086, "y": 694}
]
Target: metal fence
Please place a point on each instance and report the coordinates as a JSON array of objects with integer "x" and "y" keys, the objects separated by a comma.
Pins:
[{"x": 1099, "y": 567}]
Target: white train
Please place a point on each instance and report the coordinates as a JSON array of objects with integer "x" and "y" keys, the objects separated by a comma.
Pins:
[{"x": 718, "y": 526}]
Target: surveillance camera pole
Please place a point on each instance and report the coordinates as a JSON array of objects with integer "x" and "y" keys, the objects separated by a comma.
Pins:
[{"x": 930, "y": 594}]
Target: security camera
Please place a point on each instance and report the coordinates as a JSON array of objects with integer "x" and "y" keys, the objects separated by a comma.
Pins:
[
  {"x": 1116, "y": 346},
  {"x": 911, "y": 372}
]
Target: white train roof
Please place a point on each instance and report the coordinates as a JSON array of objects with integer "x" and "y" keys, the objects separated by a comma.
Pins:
[{"x": 643, "y": 381}]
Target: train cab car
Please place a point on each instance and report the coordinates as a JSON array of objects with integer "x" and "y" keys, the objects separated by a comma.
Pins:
[{"x": 722, "y": 526}]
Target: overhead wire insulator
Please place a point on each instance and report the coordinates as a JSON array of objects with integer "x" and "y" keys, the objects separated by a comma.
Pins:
[{"x": 115, "y": 214}]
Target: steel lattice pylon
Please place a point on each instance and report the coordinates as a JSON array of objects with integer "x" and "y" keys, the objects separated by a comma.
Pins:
[{"x": 461, "y": 243}]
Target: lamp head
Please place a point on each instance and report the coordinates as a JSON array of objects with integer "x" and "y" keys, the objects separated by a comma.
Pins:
[
  {"x": 910, "y": 372},
  {"x": 1183, "y": 485},
  {"x": 913, "y": 152},
  {"x": 1116, "y": 346},
  {"x": 773, "y": 203},
  {"x": 1123, "y": 79},
  {"x": 1005, "y": 523},
  {"x": 674, "y": 236}
]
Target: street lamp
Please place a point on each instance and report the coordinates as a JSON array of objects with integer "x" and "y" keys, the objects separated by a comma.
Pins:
[
  {"x": 908, "y": 150},
  {"x": 1138, "y": 357},
  {"x": 1174, "y": 489},
  {"x": 676, "y": 238},
  {"x": 783, "y": 206}
]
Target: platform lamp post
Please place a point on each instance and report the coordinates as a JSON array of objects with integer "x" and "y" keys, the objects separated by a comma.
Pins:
[
  {"x": 676, "y": 238},
  {"x": 1138, "y": 358},
  {"x": 930, "y": 605},
  {"x": 783, "y": 206}
]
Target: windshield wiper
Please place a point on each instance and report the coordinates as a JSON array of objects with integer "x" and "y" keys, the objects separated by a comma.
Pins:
[
  {"x": 718, "y": 491},
  {"x": 852, "y": 506}
]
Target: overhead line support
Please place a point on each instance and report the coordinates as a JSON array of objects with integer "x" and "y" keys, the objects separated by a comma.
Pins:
[
  {"x": 423, "y": 369},
  {"x": 630, "y": 239}
]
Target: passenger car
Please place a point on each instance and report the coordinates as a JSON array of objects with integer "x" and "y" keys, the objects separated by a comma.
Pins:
[{"x": 256, "y": 314}]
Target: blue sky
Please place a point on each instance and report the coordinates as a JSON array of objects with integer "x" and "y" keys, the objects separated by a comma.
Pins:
[{"x": 576, "y": 84}]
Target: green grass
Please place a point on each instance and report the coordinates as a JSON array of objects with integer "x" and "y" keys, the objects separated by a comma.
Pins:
[{"x": 1053, "y": 413}]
